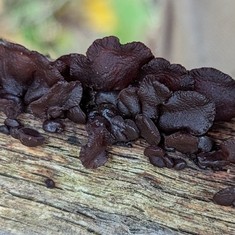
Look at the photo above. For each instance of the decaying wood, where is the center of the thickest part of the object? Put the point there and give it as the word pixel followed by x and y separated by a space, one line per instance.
pixel 126 196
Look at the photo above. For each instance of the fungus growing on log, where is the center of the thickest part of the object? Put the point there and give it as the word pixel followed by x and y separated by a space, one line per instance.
pixel 219 87
pixel 189 111
pixel 174 76
pixel 182 142
pixel 30 137
pixel 225 197
pixel 151 94
pixel 121 92
pixel 113 65
pixel 94 153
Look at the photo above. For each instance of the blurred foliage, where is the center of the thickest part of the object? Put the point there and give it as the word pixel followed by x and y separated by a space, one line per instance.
pixel 56 26
pixel 133 18
pixel 126 19
pixel 34 23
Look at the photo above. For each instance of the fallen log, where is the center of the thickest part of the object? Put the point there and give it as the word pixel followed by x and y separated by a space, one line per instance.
pixel 126 196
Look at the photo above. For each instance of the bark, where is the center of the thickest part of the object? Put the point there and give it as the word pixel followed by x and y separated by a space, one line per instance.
pixel 126 196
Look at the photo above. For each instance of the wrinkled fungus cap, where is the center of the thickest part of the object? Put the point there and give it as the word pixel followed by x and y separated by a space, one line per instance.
pixel 187 110
pixel 114 66
pixel 219 87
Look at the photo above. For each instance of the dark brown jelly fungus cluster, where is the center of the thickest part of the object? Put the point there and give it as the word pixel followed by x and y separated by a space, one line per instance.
pixel 121 92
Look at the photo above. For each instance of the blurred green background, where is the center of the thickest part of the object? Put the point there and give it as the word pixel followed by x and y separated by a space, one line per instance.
pixel 57 27
pixel 194 33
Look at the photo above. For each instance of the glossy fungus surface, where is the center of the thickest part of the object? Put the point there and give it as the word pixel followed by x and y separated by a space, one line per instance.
pixel 158 157
pixel 225 197
pixel 94 153
pixel 182 142
pixel 155 155
pixel 12 122
pixel 219 87
pixel 148 130
pixel 4 130
pixel 104 97
pixel 215 160
pixel 179 164
pixel 205 144
pixel 174 76
pixel 154 150
pixel 62 95
pixel 123 130
pixel 53 126
pixel 49 183
pixel 30 137
pixel 17 79
pixel 128 102
pixel 187 110
pixel 113 65
pixel 122 93
pixel 228 147
pixel 151 94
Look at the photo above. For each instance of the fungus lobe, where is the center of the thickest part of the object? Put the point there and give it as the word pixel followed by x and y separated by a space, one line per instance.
pixel 219 87
pixel 187 110
pixel 114 66
pixel 174 76
pixel 94 153
pixel 182 142
pixel 151 94
pixel 225 197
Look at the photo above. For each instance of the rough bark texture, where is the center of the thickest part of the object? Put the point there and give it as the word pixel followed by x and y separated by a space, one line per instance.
pixel 126 196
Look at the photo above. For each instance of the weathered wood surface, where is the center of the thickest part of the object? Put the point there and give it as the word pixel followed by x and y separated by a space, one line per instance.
pixel 126 196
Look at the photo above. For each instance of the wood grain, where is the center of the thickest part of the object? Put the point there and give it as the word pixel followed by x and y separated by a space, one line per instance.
pixel 126 196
